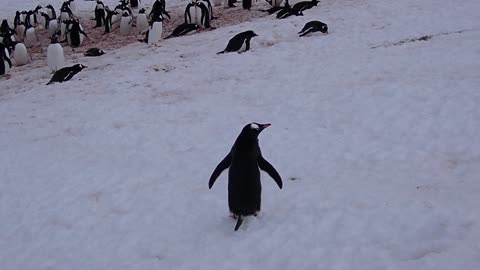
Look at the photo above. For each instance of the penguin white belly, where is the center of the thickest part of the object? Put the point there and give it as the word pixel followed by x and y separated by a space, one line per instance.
pixel 20 54
pixel 276 3
pixel 155 33
pixel 64 16
pixel 50 13
pixel 125 26
pixel 142 22
pixel 55 57
pixel 198 16
pixel 41 22
pixel 52 27
pixel 244 47
pixel 63 30
pixel 30 38
pixel 20 31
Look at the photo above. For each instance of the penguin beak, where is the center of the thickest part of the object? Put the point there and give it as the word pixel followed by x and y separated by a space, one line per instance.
pixel 264 126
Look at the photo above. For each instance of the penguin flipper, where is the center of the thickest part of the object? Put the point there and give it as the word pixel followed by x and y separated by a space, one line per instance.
pixel 239 222
pixel 267 167
pixel 8 61
pixel 225 163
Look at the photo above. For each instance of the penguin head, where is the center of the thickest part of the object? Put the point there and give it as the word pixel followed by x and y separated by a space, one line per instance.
pixel 253 129
pixel 79 67
pixel 324 29
pixel 250 33
pixel 141 11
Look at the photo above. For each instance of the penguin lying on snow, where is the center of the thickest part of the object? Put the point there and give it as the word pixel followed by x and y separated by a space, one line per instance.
pixel 183 29
pixel 287 12
pixel 5 62
pixel 314 26
pixel 66 73
pixel 240 42
pixel 94 52
pixel 304 5
pixel 244 162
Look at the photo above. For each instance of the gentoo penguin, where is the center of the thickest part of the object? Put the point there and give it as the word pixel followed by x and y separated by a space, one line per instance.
pixel 191 13
pixel 30 37
pixel 154 34
pixel 8 42
pixel 51 12
pixel 304 5
pixel 287 12
pixel 247 4
pixel 94 52
pixel 276 7
pixel 183 29
pixel 55 56
pixel 66 73
pixel 108 20
pixel 142 21
pixel 99 14
pixel 52 27
pixel 44 20
pixel 159 7
pixel 75 34
pixel 240 42
pixel 314 26
pixel 134 3
pixel 125 24
pixel 65 12
pixel 204 18
pixel 20 54
pixel 245 161
pixel 5 62
pixel 5 29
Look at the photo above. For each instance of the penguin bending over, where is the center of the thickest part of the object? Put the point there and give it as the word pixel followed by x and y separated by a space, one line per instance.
pixel 245 161
pixel 183 29
pixel 287 12
pixel 99 14
pixel 93 52
pixel 240 42
pixel 66 73
pixel 304 5
pixel 314 26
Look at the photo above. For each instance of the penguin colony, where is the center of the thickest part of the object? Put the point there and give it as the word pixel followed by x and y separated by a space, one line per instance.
pixel 245 160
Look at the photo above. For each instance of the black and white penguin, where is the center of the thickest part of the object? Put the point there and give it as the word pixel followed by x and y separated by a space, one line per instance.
pixel 93 52
pixel 5 29
pixel 51 12
pixel 44 20
pixel 276 3
pixel 287 12
pixel 64 27
pixel 314 26
pixel 65 12
pixel 99 14
pixel 245 161
pixel 247 4
pixel 154 34
pixel 20 54
pixel 304 5
pixel 191 12
pixel 126 23
pixel 36 14
pixel 142 21
pixel 52 27
pixel 5 62
pixel 134 3
pixel 159 8
pixel 30 36
pixel 55 55
pixel 8 41
pixel 240 42
pixel 75 34
pixel 203 16
pixel 183 29
pixel 66 73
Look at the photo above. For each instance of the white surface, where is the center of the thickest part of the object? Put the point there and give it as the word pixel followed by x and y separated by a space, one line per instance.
pixel 110 169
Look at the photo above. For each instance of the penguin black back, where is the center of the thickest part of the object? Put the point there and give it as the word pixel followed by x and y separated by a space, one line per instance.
pixel 4 58
pixel 238 41
pixel 304 5
pixel 314 26
pixel 245 161
pixel 66 73
pixel 183 29
pixel 94 52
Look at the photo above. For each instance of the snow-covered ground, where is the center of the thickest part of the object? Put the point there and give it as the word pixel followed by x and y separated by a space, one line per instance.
pixel 376 137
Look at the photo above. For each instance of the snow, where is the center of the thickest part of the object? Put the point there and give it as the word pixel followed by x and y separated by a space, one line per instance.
pixel 375 133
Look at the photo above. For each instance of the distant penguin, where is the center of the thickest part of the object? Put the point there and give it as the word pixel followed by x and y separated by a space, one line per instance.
pixel 159 9
pixel 183 29
pixel 125 24
pixel 5 29
pixel 142 21
pixel 44 20
pixel 66 73
pixel 287 12
pixel 314 26
pixel 20 54
pixel 247 4
pixel 93 52
pixel 65 12
pixel 240 42
pixel 203 14
pixel 51 12
pixel 99 14
pixel 5 62
pixel 20 30
pixel 191 13
pixel 109 20
pixel 304 5
pixel 134 3
pixel 30 38
pixel 52 27
pixel 245 161
pixel 75 34
pixel 155 32
pixel 55 56
pixel 36 14
pixel 64 27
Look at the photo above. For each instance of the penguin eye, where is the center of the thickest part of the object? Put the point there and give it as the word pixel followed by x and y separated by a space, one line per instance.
pixel 254 126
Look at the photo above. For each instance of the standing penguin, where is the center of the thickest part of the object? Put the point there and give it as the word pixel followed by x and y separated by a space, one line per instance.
pixel 99 14
pixel 190 13
pixel 52 27
pixel 75 34
pixel 55 56
pixel 51 12
pixel 154 34
pixel 20 54
pixel 240 42
pixel 5 62
pixel 142 21
pixel 30 37
pixel 314 26
pixel 245 161
pixel 125 24
pixel 247 4
pixel 203 14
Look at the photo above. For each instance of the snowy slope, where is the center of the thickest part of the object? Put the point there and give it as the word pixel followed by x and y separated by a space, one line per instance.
pixel 376 138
